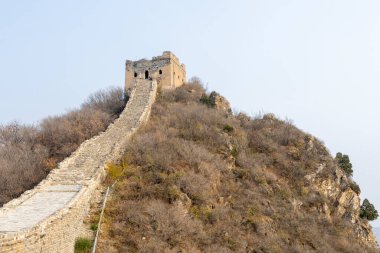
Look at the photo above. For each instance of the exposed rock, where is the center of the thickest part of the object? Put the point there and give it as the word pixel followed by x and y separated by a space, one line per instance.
pixel 243 118
pixel 312 177
pixel 326 211
pixel 296 204
pixel 347 202
pixel 364 232
pixel 183 203
pixel 348 205
pixel 309 139
pixel 263 225
pixel 269 116
pixel 220 102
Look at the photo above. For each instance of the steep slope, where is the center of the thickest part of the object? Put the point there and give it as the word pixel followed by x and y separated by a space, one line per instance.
pixel 200 179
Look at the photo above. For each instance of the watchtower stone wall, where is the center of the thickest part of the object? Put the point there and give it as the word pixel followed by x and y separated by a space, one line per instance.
pixel 165 69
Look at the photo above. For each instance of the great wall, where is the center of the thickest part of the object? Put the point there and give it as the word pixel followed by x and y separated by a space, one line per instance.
pixel 48 218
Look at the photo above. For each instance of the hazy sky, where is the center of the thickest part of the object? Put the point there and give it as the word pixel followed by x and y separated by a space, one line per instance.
pixel 315 62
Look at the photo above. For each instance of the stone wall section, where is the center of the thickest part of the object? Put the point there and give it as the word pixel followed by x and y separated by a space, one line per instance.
pixel 49 217
pixel 166 69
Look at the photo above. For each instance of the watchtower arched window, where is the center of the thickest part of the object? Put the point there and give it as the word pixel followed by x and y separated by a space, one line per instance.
pixel 146 74
pixel 160 72
pixel 135 74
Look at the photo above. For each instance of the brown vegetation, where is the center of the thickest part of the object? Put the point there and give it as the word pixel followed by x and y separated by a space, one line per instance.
pixel 201 180
pixel 28 153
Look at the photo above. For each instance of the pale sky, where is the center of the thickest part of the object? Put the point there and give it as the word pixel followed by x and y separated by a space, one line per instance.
pixel 315 62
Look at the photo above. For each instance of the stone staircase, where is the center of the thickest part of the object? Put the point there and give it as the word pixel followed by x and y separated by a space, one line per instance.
pixel 48 218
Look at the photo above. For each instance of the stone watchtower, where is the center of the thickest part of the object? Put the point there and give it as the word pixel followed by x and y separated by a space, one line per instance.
pixel 165 69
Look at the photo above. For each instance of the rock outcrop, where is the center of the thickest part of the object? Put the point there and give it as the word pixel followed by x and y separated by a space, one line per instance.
pixel 220 102
pixel 346 202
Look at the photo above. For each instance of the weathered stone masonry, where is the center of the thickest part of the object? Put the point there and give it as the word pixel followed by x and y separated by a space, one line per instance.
pixel 48 218
pixel 165 69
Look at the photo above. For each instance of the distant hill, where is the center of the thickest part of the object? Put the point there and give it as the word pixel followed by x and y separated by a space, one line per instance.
pixel 198 178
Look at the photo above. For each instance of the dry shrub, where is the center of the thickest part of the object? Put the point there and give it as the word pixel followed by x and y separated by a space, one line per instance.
pixel 166 227
pixel 190 92
pixel 27 153
pixel 196 186
pixel 110 101
pixel 21 160
pixel 63 134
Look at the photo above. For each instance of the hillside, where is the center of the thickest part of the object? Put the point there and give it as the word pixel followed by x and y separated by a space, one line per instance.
pixel 197 178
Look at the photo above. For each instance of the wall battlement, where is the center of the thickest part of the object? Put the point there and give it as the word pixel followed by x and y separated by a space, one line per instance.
pixel 166 69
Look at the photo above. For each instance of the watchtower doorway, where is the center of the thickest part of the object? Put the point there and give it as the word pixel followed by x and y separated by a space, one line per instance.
pixel 146 74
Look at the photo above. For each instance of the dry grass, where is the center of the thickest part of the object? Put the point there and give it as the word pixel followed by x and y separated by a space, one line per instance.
pixel 194 185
